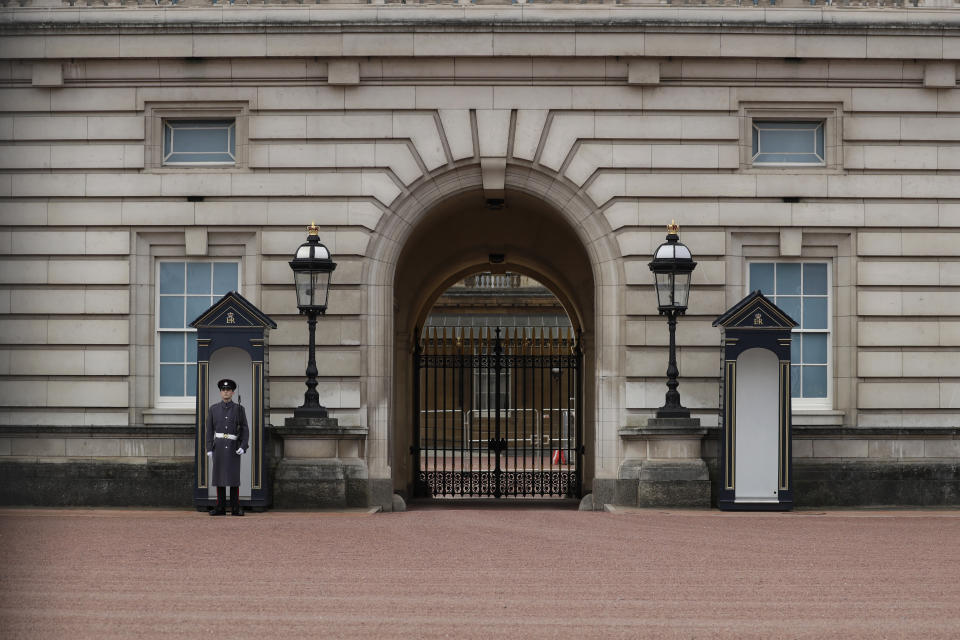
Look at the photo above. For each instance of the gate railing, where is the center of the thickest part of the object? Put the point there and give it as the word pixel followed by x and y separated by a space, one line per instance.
pixel 496 412
pixel 538 432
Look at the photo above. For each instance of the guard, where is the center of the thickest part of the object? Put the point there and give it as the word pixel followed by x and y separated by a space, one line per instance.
pixel 226 440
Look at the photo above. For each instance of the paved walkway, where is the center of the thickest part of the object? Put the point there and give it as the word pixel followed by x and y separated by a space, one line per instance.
pixel 492 572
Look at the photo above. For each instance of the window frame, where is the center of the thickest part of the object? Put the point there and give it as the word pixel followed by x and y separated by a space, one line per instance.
pixel 158 113
pixel 186 401
pixel 755 130
pixel 830 114
pixel 168 126
pixel 806 404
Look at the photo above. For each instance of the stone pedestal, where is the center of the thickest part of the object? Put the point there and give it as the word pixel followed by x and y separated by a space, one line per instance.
pixel 321 465
pixel 663 465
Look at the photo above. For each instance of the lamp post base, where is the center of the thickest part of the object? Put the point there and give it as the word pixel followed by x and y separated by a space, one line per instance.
pixel 322 465
pixel 664 464
pixel 673 412
pixel 308 413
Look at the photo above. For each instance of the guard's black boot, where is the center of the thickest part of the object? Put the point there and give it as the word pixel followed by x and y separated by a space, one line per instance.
pixel 220 509
pixel 235 508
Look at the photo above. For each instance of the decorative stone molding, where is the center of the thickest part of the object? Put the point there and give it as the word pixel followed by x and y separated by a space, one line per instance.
pixel 47 74
pixel 643 72
pixel 940 75
pixel 343 72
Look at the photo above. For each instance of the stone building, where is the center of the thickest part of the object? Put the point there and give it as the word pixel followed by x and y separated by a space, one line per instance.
pixel 157 155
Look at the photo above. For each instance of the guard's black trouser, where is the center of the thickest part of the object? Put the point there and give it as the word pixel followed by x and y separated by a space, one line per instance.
pixel 222 497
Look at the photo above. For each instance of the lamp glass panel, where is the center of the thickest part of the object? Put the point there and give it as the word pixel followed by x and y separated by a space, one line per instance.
pixel 665 252
pixel 304 288
pixel 321 281
pixel 665 289
pixel 681 290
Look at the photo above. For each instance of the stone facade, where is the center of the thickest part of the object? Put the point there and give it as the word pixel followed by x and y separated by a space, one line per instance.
pixel 394 128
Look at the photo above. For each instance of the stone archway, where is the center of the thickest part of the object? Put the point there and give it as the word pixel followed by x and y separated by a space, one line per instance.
pixel 443 230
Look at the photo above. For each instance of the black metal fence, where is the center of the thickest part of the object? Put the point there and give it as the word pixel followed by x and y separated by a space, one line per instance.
pixel 497 412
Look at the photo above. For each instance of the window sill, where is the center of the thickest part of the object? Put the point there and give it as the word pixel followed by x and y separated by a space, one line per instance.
pixel 781 169
pixel 198 168
pixel 817 418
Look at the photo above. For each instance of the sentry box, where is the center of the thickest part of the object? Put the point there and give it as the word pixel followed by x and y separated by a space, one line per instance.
pixel 756 470
pixel 232 343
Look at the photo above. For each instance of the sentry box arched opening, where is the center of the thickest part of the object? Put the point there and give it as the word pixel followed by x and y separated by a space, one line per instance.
pixel 756 471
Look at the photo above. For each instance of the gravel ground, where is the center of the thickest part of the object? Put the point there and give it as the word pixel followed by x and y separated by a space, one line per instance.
pixel 452 571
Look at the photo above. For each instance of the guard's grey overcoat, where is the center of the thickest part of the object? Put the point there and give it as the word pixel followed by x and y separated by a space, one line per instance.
pixel 229 418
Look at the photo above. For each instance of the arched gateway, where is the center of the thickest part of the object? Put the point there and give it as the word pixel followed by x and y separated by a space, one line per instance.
pixel 446 229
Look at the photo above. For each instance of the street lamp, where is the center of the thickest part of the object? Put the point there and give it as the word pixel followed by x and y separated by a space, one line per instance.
pixel 672 265
pixel 312 268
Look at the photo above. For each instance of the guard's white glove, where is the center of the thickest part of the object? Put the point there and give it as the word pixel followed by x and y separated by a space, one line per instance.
pixel 209 454
pixel 240 451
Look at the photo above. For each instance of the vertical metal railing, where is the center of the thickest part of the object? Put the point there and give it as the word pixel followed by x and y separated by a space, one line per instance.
pixel 497 412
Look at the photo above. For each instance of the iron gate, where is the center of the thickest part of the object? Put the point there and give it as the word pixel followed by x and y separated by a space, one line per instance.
pixel 497 412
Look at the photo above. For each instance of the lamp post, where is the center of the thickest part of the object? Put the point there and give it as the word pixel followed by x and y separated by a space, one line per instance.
pixel 312 268
pixel 672 265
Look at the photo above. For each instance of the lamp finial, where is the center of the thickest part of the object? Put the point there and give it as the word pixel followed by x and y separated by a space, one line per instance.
pixel 673 227
pixel 313 229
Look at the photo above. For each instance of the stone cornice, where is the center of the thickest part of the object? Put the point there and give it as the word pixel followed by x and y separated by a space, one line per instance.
pixel 482 17
pixel 358 31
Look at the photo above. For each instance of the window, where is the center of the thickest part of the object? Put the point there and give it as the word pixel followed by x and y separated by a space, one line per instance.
pixel 199 142
pixel 485 392
pixel 778 137
pixel 195 136
pixel 778 142
pixel 184 291
pixel 802 290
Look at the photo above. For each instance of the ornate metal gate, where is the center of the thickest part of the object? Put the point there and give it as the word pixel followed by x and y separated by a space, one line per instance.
pixel 497 412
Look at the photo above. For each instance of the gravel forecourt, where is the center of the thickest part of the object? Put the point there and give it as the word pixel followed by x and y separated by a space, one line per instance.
pixel 479 571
